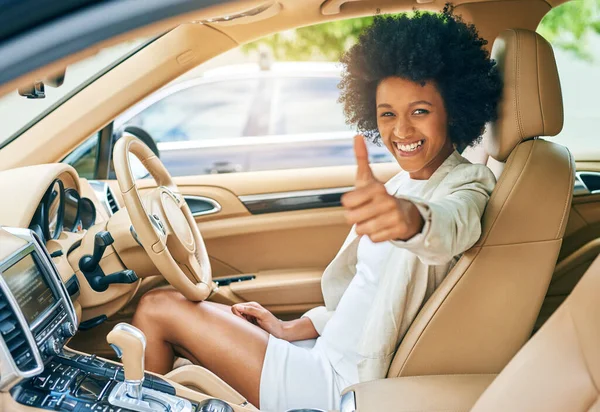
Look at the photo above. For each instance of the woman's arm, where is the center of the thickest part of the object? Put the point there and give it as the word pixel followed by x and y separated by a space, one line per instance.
pixel 453 223
pixel 293 330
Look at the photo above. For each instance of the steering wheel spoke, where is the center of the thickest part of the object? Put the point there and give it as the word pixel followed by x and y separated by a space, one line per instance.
pixel 164 222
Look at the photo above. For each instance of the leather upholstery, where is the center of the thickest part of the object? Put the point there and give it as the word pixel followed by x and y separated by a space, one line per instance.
pixel 532 102
pixel 447 393
pixel 485 309
pixel 559 368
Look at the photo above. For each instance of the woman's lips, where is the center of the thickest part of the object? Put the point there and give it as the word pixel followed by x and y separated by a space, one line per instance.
pixel 408 150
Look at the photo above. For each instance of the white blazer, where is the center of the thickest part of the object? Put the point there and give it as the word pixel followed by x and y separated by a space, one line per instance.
pixel 452 204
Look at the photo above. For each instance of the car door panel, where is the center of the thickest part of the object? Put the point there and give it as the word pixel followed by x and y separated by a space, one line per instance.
pixel 581 242
pixel 285 251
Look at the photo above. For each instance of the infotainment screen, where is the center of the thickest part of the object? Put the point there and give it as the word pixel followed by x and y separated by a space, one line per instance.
pixel 29 287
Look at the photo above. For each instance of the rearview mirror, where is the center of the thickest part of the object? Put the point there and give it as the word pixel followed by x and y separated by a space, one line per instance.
pixel 36 90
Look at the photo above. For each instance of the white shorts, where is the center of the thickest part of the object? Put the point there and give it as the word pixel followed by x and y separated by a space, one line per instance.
pixel 298 377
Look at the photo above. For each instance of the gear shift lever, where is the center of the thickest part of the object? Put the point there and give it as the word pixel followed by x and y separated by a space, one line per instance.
pixel 130 344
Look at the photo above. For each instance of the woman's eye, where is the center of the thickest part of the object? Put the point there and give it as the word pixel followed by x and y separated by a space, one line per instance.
pixel 386 114
pixel 421 111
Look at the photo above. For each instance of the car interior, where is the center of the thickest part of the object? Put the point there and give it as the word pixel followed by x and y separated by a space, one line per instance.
pixel 513 326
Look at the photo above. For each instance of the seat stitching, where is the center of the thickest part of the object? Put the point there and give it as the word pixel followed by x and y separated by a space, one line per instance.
pixel 537 65
pixel 408 355
pixel 532 242
pixel 517 84
pixel 511 190
pixel 569 195
pixel 585 363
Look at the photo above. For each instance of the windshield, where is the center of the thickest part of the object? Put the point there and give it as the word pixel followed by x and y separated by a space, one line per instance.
pixel 17 112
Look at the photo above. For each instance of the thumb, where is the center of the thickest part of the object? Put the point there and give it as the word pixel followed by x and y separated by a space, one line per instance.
pixel 364 174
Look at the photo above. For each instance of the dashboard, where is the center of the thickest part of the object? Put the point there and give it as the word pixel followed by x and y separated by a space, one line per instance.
pixel 37 315
pixel 62 209
pixel 37 318
pixel 66 213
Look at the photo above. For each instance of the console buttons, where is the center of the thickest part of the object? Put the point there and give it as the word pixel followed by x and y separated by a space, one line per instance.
pixel 40 381
pixel 87 406
pixel 29 398
pixel 52 366
pixel 52 347
pixel 23 359
pixel 67 330
pixel 52 381
pixel 51 401
pixel 61 369
pixel 85 360
pixel 71 372
pixel 68 405
pixel 62 384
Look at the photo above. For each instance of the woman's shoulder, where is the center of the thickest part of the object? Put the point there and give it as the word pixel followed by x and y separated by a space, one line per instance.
pixel 464 173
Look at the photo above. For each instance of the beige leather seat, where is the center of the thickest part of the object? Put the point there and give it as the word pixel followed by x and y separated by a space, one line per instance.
pixel 485 309
pixel 558 370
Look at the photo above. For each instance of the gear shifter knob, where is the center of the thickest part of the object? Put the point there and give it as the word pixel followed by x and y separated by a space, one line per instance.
pixel 130 344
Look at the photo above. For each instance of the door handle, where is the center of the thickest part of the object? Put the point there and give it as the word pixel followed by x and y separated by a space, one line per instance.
pixel 224 167
pixel 200 205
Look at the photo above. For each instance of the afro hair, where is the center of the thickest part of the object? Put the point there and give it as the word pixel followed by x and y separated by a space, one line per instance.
pixel 423 47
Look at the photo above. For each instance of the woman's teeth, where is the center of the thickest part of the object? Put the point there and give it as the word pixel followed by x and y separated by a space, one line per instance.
pixel 409 147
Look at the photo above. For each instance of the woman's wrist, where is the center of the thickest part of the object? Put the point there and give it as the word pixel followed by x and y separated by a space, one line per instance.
pixel 298 329
pixel 412 222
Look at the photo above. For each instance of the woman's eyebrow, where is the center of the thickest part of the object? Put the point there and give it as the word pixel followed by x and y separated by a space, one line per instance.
pixel 421 102
pixel 387 106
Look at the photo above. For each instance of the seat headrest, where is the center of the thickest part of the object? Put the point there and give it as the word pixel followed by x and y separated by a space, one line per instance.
pixel 531 102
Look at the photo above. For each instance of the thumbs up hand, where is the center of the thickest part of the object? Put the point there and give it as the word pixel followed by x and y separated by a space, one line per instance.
pixel 376 213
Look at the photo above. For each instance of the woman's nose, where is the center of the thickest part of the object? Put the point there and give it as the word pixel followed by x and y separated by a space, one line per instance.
pixel 403 129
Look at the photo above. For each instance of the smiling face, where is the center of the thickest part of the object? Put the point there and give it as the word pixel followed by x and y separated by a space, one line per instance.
pixel 413 125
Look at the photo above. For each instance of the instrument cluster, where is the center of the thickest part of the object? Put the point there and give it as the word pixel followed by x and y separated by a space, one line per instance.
pixel 62 209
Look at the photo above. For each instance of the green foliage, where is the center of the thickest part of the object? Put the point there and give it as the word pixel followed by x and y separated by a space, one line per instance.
pixel 320 42
pixel 567 27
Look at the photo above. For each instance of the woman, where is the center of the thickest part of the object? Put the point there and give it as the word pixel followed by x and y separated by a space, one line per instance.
pixel 422 85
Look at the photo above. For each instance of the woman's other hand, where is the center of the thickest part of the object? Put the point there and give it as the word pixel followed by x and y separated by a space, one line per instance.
pixel 375 212
pixel 254 313
pixel 293 330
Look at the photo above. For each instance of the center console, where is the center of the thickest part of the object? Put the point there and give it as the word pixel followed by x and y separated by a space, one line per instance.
pixel 37 317
pixel 75 382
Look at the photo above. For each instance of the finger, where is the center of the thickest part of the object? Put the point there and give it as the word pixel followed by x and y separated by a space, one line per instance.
pixel 236 310
pixel 369 211
pixel 250 310
pixel 379 224
pixel 384 235
pixel 251 319
pixel 363 195
pixel 364 174
pixel 254 305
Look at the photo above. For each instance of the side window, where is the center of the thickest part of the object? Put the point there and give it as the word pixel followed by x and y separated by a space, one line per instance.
pixel 83 159
pixel 307 105
pixel 578 62
pixel 194 112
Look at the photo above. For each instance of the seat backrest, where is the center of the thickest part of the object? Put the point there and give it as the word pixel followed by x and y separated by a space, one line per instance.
pixel 559 368
pixel 484 311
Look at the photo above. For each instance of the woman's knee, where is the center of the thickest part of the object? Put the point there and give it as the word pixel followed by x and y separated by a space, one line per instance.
pixel 157 303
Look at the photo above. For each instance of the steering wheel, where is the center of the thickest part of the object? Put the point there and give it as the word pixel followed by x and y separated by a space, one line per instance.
pixel 163 222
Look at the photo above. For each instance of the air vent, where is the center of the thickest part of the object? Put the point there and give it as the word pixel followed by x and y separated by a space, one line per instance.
pixel 110 198
pixel 14 337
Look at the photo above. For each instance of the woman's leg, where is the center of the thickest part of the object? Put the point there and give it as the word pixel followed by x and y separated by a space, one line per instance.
pixel 226 344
